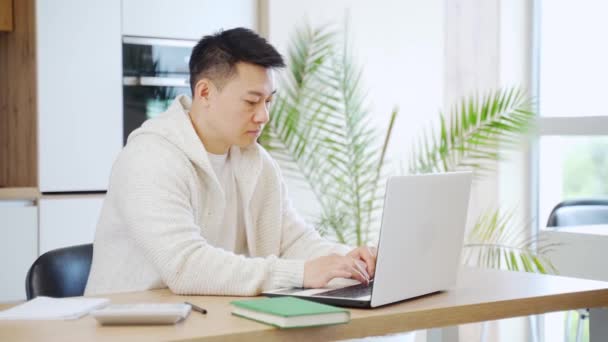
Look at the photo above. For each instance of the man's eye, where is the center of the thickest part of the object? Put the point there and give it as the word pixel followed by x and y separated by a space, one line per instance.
pixel 251 102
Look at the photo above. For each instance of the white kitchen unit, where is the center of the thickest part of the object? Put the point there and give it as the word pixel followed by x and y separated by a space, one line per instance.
pixel 18 246
pixel 79 69
pixel 185 19
pixel 581 252
pixel 68 220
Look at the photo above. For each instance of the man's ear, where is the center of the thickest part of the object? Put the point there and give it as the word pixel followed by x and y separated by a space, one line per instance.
pixel 202 90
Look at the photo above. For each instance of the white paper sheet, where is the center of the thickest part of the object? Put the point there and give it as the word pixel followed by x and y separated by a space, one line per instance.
pixel 42 308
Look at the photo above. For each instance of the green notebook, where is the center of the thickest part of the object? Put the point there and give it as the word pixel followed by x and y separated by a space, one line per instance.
pixel 290 312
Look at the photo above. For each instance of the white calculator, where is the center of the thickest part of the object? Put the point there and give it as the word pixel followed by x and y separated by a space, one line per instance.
pixel 142 313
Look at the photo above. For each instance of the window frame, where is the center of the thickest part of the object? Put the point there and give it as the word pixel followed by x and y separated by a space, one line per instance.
pixel 561 126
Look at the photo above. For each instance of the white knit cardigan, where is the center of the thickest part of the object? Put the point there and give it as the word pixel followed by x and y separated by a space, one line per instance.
pixel 164 198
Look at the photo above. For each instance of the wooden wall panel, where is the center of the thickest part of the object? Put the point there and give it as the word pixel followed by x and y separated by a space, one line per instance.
pixel 18 110
pixel 6 15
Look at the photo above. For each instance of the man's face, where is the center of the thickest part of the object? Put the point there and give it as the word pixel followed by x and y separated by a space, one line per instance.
pixel 238 112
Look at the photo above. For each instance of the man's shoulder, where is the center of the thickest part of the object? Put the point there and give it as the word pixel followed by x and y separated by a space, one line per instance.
pixel 151 143
pixel 150 151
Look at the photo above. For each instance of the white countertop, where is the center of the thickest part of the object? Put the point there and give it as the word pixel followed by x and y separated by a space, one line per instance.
pixel 598 229
pixel 580 252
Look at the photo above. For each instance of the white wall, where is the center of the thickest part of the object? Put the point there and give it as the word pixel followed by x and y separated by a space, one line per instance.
pixel 515 69
pixel 399 43
pixel 514 189
pixel 496 52
pixel 472 66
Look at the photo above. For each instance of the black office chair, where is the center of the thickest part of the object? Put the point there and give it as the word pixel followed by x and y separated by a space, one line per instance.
pixel 579 212
pixel 59 273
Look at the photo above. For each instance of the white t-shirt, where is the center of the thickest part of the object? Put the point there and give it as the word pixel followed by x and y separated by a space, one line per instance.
pixel 232 236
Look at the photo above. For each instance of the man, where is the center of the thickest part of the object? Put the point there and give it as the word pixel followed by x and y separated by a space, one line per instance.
pixel 194 204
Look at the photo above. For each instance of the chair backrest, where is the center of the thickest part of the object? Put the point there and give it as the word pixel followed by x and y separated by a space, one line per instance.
pixel 579 212
pixel 61 272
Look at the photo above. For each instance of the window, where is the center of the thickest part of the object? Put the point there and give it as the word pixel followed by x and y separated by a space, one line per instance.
pixel 571 167
pixel 572 88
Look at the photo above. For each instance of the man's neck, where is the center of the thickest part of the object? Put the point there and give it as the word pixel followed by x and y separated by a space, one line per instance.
pixel 212 144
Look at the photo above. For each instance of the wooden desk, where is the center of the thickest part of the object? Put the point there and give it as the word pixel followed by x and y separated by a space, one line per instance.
pixel 480 295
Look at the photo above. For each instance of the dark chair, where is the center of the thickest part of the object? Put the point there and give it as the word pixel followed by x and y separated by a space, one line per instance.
pixel 61 272
pixel 580 212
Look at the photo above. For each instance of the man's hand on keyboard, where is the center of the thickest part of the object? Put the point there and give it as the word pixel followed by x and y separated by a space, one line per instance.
pixel 319 271
pixel 365 256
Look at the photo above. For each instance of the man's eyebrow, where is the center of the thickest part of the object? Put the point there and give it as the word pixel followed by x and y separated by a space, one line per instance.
pixel 257 93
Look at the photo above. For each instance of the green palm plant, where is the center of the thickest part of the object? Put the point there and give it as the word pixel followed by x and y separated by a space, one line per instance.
pixel 320 133
pixel 477 134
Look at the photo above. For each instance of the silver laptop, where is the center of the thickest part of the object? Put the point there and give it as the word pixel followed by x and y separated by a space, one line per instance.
pixel 419 248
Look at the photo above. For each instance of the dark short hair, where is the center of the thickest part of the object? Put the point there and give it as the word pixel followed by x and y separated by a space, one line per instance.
pixel 215 56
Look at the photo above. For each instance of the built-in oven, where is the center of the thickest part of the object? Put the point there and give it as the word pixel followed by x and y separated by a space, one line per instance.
pixel 155 71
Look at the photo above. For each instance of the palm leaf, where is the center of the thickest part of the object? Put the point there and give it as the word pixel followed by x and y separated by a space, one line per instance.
pixel 496 242
pixel 478 130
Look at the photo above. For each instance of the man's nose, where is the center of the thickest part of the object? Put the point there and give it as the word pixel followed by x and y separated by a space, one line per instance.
pixel 262 114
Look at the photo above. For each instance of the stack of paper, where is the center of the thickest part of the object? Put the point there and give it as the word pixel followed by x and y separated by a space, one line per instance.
pixel 53 308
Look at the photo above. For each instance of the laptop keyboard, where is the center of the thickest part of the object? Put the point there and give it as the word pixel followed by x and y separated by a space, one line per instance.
pixel 354 291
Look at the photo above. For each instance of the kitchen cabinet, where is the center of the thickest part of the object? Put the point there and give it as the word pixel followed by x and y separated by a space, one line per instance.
pixel 79 65
pixel 79 76
pixel 68 220
pixel 185 19
pixel 18 246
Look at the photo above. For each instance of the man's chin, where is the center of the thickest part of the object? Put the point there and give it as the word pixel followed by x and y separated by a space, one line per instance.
pixel 246 143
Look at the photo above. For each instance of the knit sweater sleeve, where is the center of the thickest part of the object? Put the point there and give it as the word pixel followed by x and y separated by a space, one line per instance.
pixel 152 191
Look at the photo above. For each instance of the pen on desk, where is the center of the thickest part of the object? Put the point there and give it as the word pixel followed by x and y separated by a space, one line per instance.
pixel 196 308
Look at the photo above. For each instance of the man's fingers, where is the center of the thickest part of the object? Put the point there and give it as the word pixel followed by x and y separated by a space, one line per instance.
pixel 370 260
pixel 361 275
pixel 361 266
pixel 368 256
pixel 349 265
pixel 357 275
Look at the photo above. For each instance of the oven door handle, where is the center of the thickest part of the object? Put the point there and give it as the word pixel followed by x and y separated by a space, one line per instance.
pixel 155 81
